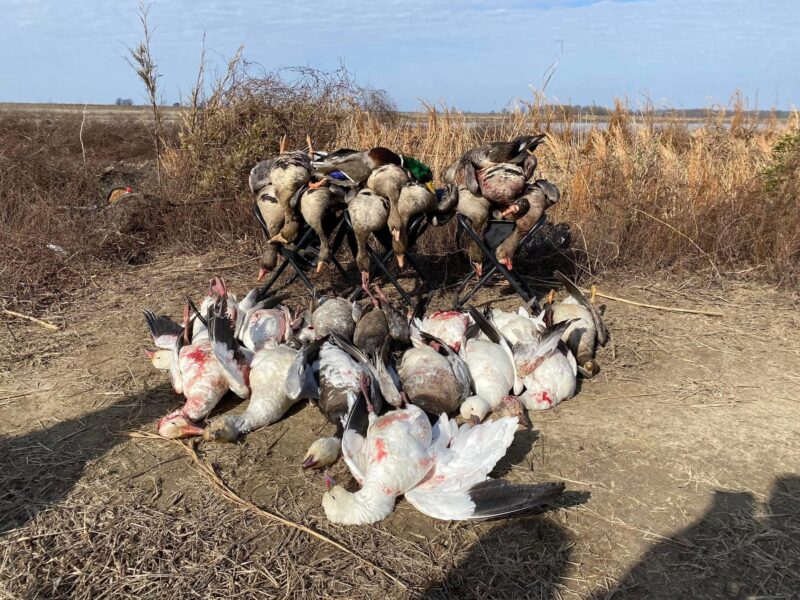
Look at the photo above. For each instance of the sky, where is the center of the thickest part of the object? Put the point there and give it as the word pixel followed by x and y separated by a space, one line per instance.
pixel 474 55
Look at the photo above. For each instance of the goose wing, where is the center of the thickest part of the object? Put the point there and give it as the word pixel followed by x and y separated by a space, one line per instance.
pixel 458 487
pixel 227 351
pixel 163 329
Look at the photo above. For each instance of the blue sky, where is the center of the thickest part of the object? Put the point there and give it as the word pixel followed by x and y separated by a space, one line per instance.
pixel 475 55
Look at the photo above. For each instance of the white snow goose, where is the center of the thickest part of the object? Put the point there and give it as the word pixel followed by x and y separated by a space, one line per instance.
pixel 442 470
pixel 261 376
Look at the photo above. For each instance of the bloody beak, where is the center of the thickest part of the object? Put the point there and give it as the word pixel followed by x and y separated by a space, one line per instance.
pixel 329 482
pixel 150 353
pixel 191 431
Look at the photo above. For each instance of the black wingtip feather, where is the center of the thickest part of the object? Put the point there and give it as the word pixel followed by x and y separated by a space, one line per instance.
pixel 495 498
pixel 486 326
pixel 161 325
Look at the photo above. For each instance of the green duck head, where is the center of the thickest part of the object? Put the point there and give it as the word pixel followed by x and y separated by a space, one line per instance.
pixel 419 170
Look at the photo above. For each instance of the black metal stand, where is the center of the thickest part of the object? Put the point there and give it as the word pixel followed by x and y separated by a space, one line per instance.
pixel 494 265
pixel 292 256
pixel 380 262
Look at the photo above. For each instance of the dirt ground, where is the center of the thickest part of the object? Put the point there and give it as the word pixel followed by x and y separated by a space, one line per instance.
pixel 682 461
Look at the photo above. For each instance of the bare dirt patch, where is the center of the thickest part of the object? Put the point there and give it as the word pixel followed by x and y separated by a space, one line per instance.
pixel 686 442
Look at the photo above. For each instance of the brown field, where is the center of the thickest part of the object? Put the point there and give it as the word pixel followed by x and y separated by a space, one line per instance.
pixel 681 457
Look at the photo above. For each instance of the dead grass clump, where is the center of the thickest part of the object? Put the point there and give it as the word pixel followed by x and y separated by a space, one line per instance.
pixel 244 116
pixel 45 187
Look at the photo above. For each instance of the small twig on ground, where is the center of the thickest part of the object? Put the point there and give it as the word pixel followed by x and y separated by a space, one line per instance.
pixel 30 318
pixel 711 313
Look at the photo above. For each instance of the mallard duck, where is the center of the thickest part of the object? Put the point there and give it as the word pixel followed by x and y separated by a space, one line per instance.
pixel 586 331
pixel 501 184
pixel 512 152
pixel 442 470
pixel 259 175
pixel 314 206
pixel 290 173
pixel 416 198
pixel 388 181
pixel 368 214
pixel 357 165
pixel 477 209
pixel 538 198
pixel 274 218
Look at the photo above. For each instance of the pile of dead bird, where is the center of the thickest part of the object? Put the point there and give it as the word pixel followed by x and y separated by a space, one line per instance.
pixel 424 404
pixel 383 189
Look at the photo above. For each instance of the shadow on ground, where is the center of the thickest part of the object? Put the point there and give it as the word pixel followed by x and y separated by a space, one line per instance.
pixel 520 558
pixel 39 468
pixel 739 549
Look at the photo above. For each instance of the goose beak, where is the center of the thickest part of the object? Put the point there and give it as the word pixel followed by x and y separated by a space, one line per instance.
pixel 309 463
pixel 189 430
pixel 511 210
pixel 401 260
pixel 430 187
pixel 320 266
pixel 396 234
pixel 474 420
pixel 262 272
pixel 506 262
pixel 551 296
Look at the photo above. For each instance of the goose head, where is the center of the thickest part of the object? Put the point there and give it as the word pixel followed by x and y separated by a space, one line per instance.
pixel 348 508
pixel 224 430
pixel 161 359
pixel 177 425
pixel 322 453
pixel 475 409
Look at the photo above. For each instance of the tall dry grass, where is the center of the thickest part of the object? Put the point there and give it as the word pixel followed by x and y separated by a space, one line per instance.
pixel 641 189
pixel 718 197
